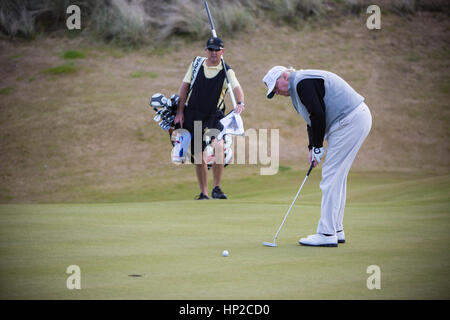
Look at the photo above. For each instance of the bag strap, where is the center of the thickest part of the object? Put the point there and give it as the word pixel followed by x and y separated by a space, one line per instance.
pixel 196 64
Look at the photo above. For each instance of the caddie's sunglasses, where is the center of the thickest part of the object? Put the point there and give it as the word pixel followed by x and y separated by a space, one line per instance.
pixel 216 50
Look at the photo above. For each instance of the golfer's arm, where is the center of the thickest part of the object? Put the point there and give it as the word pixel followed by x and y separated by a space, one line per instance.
pixel 312 98
pixel 310 137
pixel 182 93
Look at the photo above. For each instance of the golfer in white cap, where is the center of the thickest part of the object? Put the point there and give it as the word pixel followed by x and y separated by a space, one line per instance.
pixel 335 112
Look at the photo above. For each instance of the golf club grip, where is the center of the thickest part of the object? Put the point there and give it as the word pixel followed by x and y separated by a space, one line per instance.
pixel 310 168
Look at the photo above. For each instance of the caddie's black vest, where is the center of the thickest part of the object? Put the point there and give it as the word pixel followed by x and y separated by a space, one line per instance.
pixel 205 94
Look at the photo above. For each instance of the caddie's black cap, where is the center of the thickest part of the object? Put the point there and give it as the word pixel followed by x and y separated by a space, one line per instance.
pixel 214 43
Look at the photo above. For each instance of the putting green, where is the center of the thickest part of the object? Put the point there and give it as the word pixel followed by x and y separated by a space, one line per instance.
pixel 398 222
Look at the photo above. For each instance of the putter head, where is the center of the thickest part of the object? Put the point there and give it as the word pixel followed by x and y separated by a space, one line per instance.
pixel 269 244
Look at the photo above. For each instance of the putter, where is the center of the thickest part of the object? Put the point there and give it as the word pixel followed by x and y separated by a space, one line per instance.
pixel 274 243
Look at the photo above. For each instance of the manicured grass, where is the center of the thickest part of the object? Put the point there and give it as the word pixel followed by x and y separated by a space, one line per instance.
pixel 395 221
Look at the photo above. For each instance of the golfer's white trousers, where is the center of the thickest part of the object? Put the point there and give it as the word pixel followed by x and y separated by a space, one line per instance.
pixel 344 138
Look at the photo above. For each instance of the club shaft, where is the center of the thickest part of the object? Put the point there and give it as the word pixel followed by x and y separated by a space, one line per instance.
pixel 293 202
pixel 214 34
pixel 210 19
pixel 230 88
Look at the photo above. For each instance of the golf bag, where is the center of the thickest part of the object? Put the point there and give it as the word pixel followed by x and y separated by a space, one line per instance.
pixel 166 110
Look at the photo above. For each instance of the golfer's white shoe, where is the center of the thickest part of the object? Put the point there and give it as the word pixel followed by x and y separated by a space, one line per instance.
pixel 319 240
pixel 341 236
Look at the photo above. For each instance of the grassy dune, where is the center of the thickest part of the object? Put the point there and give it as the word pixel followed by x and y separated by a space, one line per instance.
pixel 395 221
pixel 68 124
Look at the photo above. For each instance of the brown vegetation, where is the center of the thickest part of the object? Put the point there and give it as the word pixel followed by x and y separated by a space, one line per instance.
pixel 64 137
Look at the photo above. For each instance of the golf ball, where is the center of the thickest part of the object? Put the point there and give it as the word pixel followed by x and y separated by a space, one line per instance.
pixel 225 253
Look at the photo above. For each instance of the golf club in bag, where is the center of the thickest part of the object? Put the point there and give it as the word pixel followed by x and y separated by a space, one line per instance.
pixel 273 243
pixel 180 139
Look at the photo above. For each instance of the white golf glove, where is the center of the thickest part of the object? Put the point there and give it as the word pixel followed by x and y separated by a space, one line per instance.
pixel 317 154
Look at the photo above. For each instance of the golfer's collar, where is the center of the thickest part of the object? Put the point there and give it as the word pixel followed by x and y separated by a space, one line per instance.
pixel 290 82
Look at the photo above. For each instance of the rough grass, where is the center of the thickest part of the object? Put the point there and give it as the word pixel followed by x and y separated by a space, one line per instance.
pixel 93 130
pixel 67 68
pixel 74 54
pixel 144 74
pixel 7 90
pixel 135 23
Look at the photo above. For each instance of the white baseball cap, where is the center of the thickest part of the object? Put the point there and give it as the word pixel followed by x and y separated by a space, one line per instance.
pixel 270 79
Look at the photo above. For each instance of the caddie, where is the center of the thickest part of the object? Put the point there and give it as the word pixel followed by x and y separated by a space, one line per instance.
pixel 334 112
pixel 202 93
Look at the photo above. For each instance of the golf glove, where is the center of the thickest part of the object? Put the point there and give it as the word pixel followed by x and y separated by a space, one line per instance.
pixel 317 154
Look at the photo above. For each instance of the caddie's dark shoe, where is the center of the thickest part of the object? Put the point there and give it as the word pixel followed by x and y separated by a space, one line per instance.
pixel 217 193
pixel 202 196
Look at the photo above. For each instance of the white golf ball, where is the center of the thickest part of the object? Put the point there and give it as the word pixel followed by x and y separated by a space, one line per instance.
pixel 225 253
